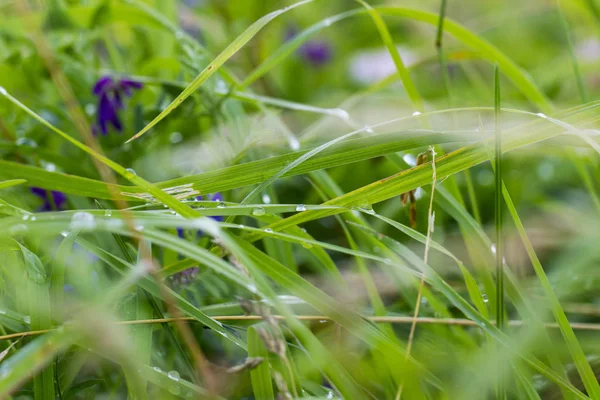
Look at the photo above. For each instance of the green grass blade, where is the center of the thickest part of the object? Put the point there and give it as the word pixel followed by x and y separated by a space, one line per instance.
pixel 583 366
pixel 403 72
pixel 216 63
pixel 260 376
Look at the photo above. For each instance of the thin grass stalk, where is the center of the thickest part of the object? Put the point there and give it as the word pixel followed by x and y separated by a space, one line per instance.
pixel 430 226
pixel 501 390
pixel 580 326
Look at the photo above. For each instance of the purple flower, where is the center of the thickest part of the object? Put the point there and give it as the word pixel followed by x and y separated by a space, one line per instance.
pixel 110 94
pixel 58 198
pixel 315 52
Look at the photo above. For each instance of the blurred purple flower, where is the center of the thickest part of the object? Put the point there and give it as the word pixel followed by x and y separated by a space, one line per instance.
pixel 58 198
pixel 315 52
pixel 110 94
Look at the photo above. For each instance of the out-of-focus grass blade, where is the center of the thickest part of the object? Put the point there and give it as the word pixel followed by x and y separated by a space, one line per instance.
pixel 40 308
pixel 445 289
pixel 579 358
pixel 403 72
pixel 413 178
pixel 12 182
pixel 261 375
pixel 219 60
pixel 57 277
pixel 150 286
pixel 245 174
pixel 17 369
pixel 482 47
pixel 142 334
pixel 158 194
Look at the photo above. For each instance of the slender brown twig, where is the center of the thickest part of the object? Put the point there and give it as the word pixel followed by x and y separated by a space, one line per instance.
pixel 582 326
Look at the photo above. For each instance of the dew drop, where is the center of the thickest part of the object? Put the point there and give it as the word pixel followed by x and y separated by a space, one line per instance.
pixel 139 228
pixel 130 172
pixel 64 233
pixel 268 230
pixel 541 115
pixel 26 142
pixel 258 211
pixel 25 217
pixel 173 375
pixel 416 113
pixel 241 226
pixel 107 213
pixel 50 167
pixel 266 198
pixel 368 129
pixel 300 207
pixel 493 248
pixel 33 218
pixel 175 137
pixel 2 312
pixel 157 369
pixel 388 261
pixel 82 220
pixel 307 245
pixel 90 108
pixel 294 143
pixel 27 319
pixel 485 298
pixel 221 205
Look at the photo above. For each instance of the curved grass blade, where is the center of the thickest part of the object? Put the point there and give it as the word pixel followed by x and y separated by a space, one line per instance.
pixel 12 182
pixel 403 72
pixel 217 62
pixel 579 358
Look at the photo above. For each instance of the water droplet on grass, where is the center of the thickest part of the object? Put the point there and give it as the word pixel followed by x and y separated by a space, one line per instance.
pixel 82 220
pixel 268 230
pixel 294 143
pixel 258 211
pixel 416 113
pixel 107 213
pixel 173 375
pixel 27 319
pixel 25 217
pixel 130 173
pixel 26 142
pixel 175 137
pixel 221 205
pixel 266 198
pixel 157 369
pixel 300 207
pixel 541 115
pixel 485 298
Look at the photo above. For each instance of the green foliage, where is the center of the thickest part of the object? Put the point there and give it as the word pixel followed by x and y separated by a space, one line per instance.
pixel 265 234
